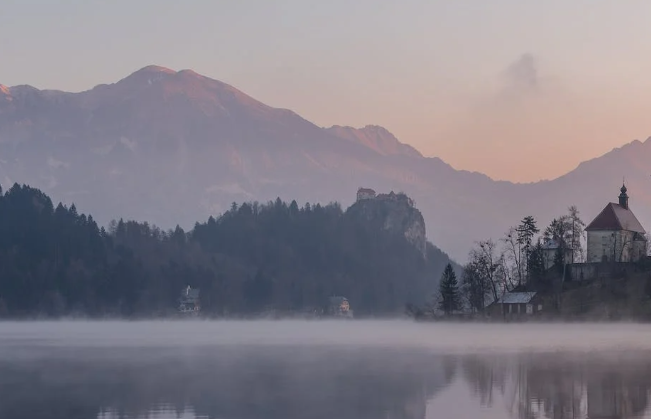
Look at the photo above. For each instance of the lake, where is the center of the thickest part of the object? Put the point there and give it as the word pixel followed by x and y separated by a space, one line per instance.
pixel 323 369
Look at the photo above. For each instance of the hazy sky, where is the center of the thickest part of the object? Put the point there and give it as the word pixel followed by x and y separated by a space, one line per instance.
pixel 519 90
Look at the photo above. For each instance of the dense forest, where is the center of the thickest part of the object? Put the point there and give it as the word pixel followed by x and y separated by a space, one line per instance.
pixel 252 259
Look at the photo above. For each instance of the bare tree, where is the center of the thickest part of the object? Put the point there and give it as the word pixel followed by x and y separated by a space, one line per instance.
pixel 576 233
pixel 518 245
pixel 513 253
pixel 621 243
pixel 489 265
pixel 644 250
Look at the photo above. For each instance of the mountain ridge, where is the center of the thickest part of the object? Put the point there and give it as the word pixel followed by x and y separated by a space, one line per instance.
pixel 175 146
pixel 158 69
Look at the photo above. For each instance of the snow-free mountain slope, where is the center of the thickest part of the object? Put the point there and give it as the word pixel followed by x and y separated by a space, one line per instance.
pixel 175 147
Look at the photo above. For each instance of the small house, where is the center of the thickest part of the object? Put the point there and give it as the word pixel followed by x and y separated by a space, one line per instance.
pixel 550 249
pixel 339 307
pixel 513 304
pixel 189 300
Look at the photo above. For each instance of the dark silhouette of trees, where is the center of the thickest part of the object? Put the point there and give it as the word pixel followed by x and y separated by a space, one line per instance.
pixel 253 258
pixel 450 299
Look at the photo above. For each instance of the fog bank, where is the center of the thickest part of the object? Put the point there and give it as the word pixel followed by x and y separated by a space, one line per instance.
pixel 437 337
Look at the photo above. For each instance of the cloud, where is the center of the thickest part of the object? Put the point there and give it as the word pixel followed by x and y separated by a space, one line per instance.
pixel 522 73
pixel 516 127
pixel 523 85
pixel 519 86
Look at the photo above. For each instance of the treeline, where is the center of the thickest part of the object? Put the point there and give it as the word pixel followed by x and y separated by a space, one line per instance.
pixel 518 261
pixel 251 259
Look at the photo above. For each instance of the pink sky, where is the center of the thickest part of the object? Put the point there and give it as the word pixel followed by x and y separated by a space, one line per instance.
pixel 517 90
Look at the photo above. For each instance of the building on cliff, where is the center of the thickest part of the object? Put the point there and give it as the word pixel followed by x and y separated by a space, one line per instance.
pixel 365 193
pixel 616 235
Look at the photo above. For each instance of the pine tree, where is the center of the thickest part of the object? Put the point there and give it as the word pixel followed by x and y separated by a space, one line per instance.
pixel 526 232
pixel 449 291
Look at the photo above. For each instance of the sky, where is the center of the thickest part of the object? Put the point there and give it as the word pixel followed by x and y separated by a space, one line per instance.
pixel 517 90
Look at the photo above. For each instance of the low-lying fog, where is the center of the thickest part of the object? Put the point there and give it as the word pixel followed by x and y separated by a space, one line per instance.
pixel 441 337
pixel 323 369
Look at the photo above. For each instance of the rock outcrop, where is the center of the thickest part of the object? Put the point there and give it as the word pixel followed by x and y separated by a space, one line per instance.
pixel 394 213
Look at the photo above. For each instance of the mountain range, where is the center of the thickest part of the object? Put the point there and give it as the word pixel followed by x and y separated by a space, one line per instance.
pixel 174 147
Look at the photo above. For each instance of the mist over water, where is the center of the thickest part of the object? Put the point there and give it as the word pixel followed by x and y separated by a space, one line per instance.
pixel 323 369
pixel 439 337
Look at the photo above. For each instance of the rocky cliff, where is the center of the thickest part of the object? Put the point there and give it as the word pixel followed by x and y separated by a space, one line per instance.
pixel 394 213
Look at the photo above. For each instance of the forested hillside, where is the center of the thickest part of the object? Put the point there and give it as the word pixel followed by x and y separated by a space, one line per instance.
pixel 251 259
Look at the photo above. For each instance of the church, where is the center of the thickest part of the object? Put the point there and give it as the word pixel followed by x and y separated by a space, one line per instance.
pixel 616 235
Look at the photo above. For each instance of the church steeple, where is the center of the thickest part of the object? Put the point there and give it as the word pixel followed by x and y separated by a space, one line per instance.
pixel 623 197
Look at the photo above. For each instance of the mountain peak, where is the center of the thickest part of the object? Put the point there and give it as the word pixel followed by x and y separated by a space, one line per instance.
pixel 155 69
pixel 376 128
pixel 147 76
pixel 156 72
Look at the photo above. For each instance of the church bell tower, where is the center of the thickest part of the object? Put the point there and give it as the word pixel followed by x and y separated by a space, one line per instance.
pixel 623 197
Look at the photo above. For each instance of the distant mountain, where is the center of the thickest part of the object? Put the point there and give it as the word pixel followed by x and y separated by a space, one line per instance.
pixel 174 147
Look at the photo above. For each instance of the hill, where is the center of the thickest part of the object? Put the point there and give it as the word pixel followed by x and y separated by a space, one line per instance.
pixel 253 258
pixel 173 147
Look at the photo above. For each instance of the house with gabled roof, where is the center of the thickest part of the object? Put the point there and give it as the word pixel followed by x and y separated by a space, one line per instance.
pixel 339 307
pixel 514 304
pixel 616 235
pixel 189 301
pixel 550 249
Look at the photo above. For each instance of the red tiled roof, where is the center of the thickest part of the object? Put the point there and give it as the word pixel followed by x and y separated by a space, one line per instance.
pixel 615 218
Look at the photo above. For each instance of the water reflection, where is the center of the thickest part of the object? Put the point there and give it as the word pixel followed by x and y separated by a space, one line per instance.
pixel 562 385
pixel 254 382
pixel 71 375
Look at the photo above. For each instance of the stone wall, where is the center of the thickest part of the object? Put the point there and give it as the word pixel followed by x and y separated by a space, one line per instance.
pixel 597 270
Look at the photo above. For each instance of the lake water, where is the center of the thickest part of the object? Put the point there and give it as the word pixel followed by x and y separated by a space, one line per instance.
pixel 323 369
